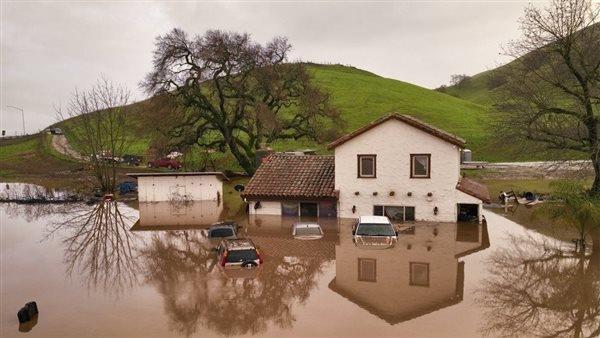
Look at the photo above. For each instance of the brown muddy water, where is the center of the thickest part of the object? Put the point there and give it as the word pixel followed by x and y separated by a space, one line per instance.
pixel 110 270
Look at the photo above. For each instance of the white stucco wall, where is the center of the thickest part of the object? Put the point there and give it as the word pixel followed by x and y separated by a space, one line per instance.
pixel 164 188
pixel 266 208
pixel 393 142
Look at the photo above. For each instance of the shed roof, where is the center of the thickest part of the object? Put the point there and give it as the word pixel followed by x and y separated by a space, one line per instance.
pixel 293 177
pixel 180 173
pixel 475 189
pixel 410 120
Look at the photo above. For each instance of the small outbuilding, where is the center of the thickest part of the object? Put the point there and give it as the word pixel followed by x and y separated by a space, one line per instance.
pixel 179 186
pixel 293 185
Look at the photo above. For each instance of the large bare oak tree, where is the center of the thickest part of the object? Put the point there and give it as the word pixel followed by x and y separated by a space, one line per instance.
pixel 237 94
pixel 552 92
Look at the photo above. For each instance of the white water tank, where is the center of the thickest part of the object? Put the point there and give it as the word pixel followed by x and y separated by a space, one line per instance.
pixel 466 156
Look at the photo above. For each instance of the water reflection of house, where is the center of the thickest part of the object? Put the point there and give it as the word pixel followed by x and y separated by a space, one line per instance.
pixel 174 215
pixel 421 274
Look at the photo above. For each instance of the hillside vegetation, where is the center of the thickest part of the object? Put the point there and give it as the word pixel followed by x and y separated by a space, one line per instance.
pixel 477 88
pixel 482 88
pixel 361 97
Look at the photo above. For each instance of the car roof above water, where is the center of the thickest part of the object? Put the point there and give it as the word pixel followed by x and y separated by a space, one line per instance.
pixel 373 220
pixel 239 244
pixel 306 225
pixel 224 224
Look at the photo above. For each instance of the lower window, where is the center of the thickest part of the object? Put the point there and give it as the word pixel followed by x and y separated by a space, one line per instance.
pixel 309 209
pixel 419 274
pixel 395 213
pixel 327 209
pixel 289 208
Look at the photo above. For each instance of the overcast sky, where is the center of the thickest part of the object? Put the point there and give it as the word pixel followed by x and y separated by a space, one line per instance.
pixel 50 48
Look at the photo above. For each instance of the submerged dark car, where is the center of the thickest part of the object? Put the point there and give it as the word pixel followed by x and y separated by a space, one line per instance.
pixel 238 253
pixel 222 230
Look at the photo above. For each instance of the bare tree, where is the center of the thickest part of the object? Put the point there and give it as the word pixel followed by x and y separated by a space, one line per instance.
pixel 238 94
pixel 551 94
pixel 99 246
pixel 96 122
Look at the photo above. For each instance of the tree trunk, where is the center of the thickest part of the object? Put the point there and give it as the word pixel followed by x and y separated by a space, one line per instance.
pixel 595 191
pixel 246 163
pixel 595 259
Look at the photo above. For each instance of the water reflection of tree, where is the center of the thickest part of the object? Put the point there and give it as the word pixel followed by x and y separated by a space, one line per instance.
pixel 197 293
pixel 98 245
pixel 537 288
pixel 33 212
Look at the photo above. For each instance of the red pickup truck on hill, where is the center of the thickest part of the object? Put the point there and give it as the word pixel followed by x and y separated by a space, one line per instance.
pixel 165 162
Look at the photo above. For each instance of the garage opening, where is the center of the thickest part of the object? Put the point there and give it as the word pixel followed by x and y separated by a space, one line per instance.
pixel 468 212
pixel 309 209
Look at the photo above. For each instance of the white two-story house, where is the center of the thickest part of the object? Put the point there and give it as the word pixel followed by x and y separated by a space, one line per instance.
pixel 396 166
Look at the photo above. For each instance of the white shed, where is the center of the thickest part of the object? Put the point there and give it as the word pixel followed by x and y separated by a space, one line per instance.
pixel 180 186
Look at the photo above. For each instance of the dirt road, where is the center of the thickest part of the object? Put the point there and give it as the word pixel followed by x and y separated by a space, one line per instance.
pixel 61 144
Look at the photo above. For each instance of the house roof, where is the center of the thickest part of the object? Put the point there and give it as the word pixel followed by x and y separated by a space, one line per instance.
pixel 293 177
pixel 180 173
pixel 412 121
pixel 475 189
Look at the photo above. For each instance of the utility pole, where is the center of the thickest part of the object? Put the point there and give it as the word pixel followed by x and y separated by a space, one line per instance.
pixel 22 116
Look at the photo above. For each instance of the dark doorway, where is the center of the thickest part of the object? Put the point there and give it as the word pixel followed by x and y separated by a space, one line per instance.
pixel 468 213
pixel 309 209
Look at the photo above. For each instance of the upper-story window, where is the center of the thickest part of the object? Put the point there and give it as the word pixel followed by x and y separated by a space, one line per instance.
pixel 367 270
pixel 367 166
pixel 420 165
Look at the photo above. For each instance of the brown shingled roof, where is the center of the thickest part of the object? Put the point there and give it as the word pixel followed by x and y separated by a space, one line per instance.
pixel 412 121
pixel 293 177
pixel 474 189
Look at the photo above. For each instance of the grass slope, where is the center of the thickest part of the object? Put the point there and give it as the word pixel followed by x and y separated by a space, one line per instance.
pixel 362 97
pixel 32 160
pixel 476 89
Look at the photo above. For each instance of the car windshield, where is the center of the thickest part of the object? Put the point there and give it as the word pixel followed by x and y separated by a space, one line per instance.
pixel 221 232
pixel 235 256
pixel 375 230
pixel 307 231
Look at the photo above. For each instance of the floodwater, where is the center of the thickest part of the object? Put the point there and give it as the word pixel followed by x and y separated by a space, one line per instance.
pixel 111 270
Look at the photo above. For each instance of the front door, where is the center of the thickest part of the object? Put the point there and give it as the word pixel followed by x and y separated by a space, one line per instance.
pixel 309 209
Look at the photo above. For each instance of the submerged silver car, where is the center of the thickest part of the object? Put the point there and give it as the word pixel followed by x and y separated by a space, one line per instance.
pixel 307 231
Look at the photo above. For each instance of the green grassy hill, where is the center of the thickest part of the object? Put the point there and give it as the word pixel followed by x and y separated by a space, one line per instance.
pixel 476 89
pixel 482 88
pixel 362 97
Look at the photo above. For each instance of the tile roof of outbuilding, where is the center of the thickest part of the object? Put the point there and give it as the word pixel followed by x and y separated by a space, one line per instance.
pixel 293 177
